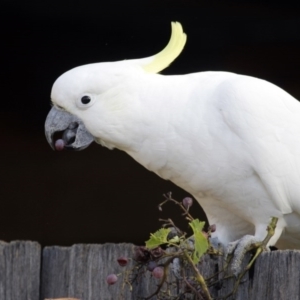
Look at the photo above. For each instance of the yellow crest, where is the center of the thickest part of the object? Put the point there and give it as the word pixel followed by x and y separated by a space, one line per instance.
pixel 165 57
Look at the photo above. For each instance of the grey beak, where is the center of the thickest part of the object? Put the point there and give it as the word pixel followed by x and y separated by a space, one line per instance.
pixel 75 135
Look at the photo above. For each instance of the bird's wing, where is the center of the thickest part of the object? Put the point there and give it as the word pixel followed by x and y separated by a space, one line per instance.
pixel 266 119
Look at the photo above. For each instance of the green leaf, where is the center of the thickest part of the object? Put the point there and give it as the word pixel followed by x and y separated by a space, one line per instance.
pixel 158 238
pixel 174 240
pixel 196 225
pixel 201 243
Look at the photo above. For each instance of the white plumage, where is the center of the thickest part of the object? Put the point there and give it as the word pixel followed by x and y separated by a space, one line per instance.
pixel 232 141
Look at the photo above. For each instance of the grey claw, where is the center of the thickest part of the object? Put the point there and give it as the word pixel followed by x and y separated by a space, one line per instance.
pixel 239 248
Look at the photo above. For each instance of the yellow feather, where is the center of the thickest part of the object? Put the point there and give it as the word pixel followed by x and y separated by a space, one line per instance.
pixel 165 57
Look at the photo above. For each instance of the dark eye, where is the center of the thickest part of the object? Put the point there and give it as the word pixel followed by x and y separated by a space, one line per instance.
pixel 85 99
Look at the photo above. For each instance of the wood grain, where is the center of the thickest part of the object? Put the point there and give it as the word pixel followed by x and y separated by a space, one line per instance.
pixel 79 273
pixel 19 270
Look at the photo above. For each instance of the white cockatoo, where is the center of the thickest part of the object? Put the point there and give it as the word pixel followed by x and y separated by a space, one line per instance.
pixel 232 141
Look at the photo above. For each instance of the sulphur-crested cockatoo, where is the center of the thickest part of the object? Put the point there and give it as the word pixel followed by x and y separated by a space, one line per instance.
pixel 232 141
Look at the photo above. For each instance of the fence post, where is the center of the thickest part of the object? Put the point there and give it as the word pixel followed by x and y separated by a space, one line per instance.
pixel 20 270
pixel 80 271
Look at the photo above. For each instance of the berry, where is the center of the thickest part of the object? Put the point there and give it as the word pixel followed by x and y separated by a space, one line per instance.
pixel 59 145
pixel 151 265
pixel 158 272
pixel 141 254
pixel 111 279
pixel 212 228
pixel 122 260
pixel 187 202
pixel 156 252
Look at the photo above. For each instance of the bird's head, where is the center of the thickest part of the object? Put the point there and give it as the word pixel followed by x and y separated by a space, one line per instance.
pixel 84 98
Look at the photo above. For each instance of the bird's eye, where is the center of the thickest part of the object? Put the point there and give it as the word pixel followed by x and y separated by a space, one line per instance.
pixel 85 99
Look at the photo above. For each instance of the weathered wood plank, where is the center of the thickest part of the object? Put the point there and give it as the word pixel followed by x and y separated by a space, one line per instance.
pixel 19 270
pixel 80 272
pixel 277 276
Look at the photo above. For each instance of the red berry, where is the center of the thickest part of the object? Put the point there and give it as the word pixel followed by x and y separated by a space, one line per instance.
pixel 111 279
pixel 122 260
pixel 187 202
pixel 212 228
pixel 141 254
pixel 59 145
pixel 158 272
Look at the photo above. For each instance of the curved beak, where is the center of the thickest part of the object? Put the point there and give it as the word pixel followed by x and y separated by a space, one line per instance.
pixel 75 135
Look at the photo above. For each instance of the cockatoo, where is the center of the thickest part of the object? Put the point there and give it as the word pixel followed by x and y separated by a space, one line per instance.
pixel 232 141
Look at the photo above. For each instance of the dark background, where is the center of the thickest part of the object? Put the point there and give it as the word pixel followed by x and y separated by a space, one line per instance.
pixel 98 195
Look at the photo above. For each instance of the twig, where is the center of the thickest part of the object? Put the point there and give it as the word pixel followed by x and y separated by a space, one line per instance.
pixel 199 277
pixel 160 285
pixel 168 197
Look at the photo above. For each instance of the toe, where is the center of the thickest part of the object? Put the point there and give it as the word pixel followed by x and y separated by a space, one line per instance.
pixel 240 248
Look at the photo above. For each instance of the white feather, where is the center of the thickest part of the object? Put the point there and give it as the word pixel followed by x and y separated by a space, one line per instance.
pixel 232 141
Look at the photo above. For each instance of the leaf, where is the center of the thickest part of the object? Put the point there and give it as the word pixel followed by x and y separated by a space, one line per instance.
pixel 158 238
pixel 201 243
pixel 174 240
pixel 196 225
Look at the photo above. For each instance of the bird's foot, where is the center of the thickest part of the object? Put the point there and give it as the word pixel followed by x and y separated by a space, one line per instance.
pixel 236 251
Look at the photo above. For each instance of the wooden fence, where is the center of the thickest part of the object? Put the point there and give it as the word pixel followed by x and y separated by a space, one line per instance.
pixel 28 272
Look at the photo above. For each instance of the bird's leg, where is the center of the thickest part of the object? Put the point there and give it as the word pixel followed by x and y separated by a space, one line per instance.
pixel 246 244
pixel 260 246
pixel 236 250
